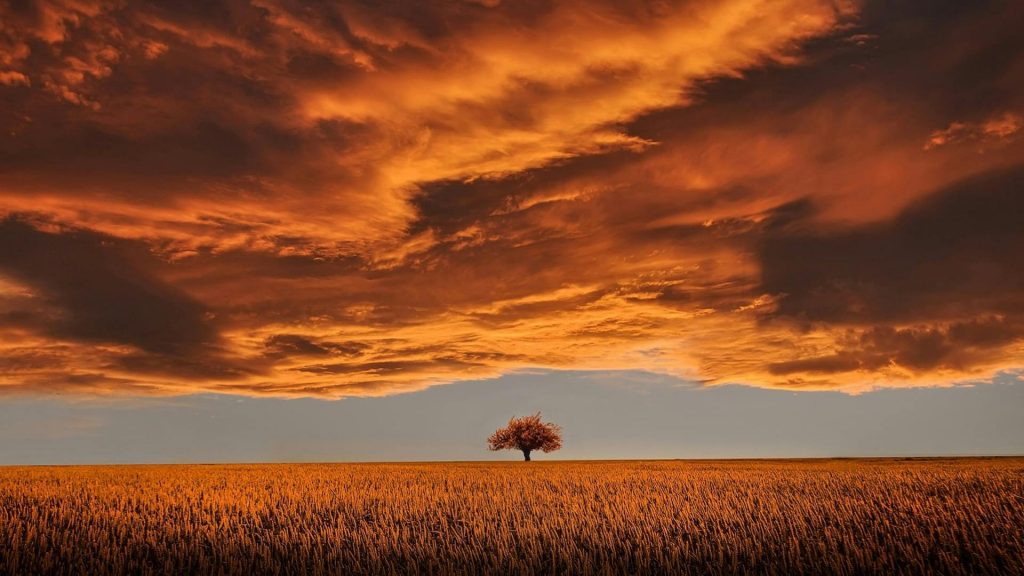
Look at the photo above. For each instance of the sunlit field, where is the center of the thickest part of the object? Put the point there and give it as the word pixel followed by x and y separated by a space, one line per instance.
pixel 954 516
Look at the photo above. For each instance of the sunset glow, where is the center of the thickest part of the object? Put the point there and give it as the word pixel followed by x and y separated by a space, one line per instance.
pixel 278 198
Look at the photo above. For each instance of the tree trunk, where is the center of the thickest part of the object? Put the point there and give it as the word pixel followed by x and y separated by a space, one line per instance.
pixel 526 455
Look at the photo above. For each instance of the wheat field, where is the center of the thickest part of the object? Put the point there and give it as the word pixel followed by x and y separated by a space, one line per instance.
pixel 957 516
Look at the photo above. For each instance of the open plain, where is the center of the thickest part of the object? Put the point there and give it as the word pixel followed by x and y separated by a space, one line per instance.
pixel 907 516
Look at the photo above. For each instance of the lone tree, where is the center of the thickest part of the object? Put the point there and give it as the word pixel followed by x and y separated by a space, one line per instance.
pixel 527 434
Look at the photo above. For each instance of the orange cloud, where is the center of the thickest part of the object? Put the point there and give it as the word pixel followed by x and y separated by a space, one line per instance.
pixel 308 115
pixel 270 198
pixel 998 128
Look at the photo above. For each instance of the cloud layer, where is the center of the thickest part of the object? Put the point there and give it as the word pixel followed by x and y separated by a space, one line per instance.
pixel 331 199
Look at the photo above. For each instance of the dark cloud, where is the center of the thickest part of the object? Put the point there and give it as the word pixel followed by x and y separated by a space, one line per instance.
pixel 957 347
pixel 101 293
pixel 952 254
pixel 937 288
pixel 293 345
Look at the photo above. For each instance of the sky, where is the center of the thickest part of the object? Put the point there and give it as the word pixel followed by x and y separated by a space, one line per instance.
pixel 604 415
pixel 294 203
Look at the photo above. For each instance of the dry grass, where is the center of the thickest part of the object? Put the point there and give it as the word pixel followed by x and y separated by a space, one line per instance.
pixel 784 517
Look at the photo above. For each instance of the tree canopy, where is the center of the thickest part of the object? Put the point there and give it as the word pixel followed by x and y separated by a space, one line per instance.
pixel 527 433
